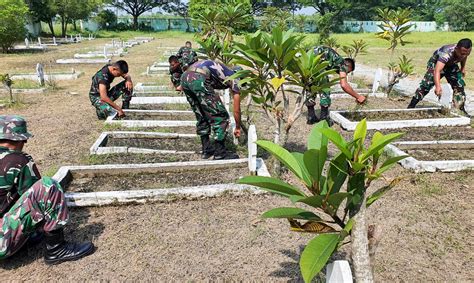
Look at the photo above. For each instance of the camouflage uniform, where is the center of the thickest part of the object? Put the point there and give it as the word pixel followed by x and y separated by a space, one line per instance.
pixel 336 62
pixel 27 201
pixel 186 56
pixel 175 75
pixel 103 76
pixel 198 83
pixel 451 71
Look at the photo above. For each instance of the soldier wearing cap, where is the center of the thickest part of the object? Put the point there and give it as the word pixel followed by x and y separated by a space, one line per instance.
pixel 30 204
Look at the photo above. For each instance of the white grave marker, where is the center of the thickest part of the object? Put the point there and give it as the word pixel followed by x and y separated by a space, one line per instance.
pixel 339 272
pixel 377 79
pixel 446 95
pixel 252 149
pixel 27 43
pixel 39 41
pixel 40 73
pixel 54 40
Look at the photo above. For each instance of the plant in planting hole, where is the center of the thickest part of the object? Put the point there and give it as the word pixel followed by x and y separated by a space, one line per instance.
pixel 7 83
pixel 355 48
pixel 323 192
pixel 403 69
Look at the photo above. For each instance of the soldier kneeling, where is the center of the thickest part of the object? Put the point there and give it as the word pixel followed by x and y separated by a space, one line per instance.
pixel 30 204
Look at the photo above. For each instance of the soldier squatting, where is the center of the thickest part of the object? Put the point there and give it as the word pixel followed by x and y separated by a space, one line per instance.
pixel 33 208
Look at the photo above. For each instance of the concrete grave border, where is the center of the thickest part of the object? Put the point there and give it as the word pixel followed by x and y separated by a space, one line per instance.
pixel 152 123
pixel 348 125
pixel 53 76
pixel 99 148
pixel 435 165
pixel 83 61
pixel 65 175
pixel 158 100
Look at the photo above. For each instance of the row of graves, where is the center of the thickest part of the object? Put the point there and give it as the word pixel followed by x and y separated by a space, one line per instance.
pixel 154 154
pixel 116 48
pixel 44 43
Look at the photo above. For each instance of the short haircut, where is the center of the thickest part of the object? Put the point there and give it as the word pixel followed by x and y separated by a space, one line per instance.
pixel 188 42
pixel 173 58
pixel 122 65
pixel 465 42
pixel 350 61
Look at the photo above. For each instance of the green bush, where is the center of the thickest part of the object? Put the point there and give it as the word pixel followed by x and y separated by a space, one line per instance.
pixel 106 19
pixel 12 22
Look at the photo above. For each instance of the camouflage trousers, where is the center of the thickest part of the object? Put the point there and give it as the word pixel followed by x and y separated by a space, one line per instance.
pixel 324 97
pixel 453 76
pixel 103 109
pixel 41 207
pixel 206 105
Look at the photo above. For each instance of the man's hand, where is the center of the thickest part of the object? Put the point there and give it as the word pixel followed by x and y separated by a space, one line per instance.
pixel 361 99
pixel 120 114
pixel 463 72
pixel 129 85
pixel 237 132
pixel 438 91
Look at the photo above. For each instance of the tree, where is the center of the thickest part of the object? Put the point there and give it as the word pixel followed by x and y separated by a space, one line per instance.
pixel 12 22
pixel 106 19
pixel 326 6
pixel 335 213
pixel 43 10
pixel 71 10
pixel 136 8
pixel 179 8
pixel 459 14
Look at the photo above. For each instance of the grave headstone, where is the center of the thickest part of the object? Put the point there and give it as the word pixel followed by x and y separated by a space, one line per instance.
pixel 105 51
pixel 81 23
pixel 339 272
pixel 27 43
pixel 40 73
pixel 39 41
pixel 148 70
pixel 72 38
pixel 446 96
pixel 54 40
pixel 377 79
pixel 252 149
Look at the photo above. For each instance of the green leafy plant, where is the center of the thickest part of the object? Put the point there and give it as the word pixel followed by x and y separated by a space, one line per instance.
pixel 331 42
pixel 271 67
pixel 213 49
pixel 274 17
pixel 7 83
pixel 335 213
pixel 355 48
pixel 403 69
pixel 395 26
pixel 12 22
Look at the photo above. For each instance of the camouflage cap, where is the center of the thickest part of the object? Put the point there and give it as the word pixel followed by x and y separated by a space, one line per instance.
pixel 13 127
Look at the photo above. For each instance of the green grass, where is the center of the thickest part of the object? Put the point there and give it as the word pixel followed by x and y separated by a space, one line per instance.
pixel 25 84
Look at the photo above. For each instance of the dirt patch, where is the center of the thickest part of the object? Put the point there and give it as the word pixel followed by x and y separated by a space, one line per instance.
pixel 440 154
pixel 160 116
pixel 348 103
pixel 394 116
pixel 140 158
pixel 183 144
pixel 180 106
pixel 158 180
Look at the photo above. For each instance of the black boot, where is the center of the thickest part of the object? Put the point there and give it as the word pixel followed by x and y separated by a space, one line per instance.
pixel 325 115
pixel 222 153
pixel 126 104
pixel 311 119
pixel 414 101
pixel 207 148
pixel 57 250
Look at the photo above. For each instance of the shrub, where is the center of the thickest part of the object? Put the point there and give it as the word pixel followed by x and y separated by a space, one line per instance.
pixel 12 22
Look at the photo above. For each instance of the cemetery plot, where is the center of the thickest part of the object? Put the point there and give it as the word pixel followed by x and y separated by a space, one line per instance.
pixel 432 156
pixel 398 118
pixel 146 142
pixel 160 106
pixel 158 93
pixel 158 100
pixel 72 75
pixel 148 118
pixel 83 61
pixel 137 183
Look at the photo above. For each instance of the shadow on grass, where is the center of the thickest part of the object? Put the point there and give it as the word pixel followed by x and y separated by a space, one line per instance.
pixel 76 231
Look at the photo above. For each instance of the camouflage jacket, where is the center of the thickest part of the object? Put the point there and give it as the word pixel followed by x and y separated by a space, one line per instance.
pixel 186 56
pixel 336 62
pixel 103 76
pixel 445 55
pixel 218 73
pixel 176 76
pixel 18 172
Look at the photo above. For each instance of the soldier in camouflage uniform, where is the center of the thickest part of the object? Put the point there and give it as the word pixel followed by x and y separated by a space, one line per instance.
pixel 199 82
pixel 175 71
pixel 444 63
pixel 30 204
pixel 103 97
pixel 342 67
pixel 186 55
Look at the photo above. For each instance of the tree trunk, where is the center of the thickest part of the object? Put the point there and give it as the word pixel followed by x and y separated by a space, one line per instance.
pixel 135 22
pixel 360 247
pixel 11 94
pixel 74 25
pixel 188 28
pixel 63 26
pixel 51 27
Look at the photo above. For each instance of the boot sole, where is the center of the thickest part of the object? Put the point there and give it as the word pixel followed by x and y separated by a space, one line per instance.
pixel 73 258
